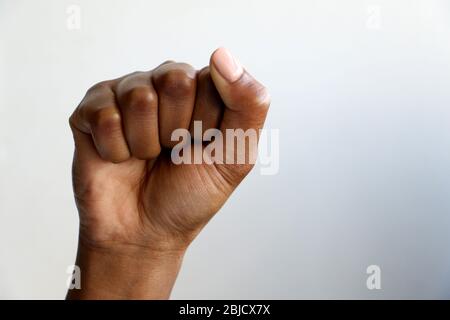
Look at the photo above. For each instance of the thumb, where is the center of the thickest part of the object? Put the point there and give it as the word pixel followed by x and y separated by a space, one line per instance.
pixel 246 100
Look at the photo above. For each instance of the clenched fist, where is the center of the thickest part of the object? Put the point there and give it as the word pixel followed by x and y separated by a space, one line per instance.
pixel 139 210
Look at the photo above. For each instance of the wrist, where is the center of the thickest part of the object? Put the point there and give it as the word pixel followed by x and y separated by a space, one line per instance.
pixel 126 272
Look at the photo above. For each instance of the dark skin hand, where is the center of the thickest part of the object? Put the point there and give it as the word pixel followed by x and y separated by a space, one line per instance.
pixel 138 210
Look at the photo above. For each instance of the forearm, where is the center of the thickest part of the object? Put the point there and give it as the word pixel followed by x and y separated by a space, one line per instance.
pixel 136 273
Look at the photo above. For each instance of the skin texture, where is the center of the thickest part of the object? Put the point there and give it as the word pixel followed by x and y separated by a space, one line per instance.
pixel 138 210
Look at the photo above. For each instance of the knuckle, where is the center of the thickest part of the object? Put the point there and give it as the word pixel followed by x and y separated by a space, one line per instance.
pixel 177 82
pixel 204 74
pixel 263 99
pixel 100 86
pixel 250 97
pixel 168 61
pixel 71 120
pixel 106 119
pixel 259 97
pixel 141 99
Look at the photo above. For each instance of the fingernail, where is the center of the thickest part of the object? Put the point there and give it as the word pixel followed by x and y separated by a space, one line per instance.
pixel 227 65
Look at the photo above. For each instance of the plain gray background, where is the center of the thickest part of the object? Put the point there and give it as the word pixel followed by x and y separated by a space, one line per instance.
pixel 361 97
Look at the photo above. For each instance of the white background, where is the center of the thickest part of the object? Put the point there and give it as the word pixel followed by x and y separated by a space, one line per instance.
pixel 361 97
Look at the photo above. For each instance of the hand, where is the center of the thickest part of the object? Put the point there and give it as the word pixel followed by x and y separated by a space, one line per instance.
pixel 138 210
